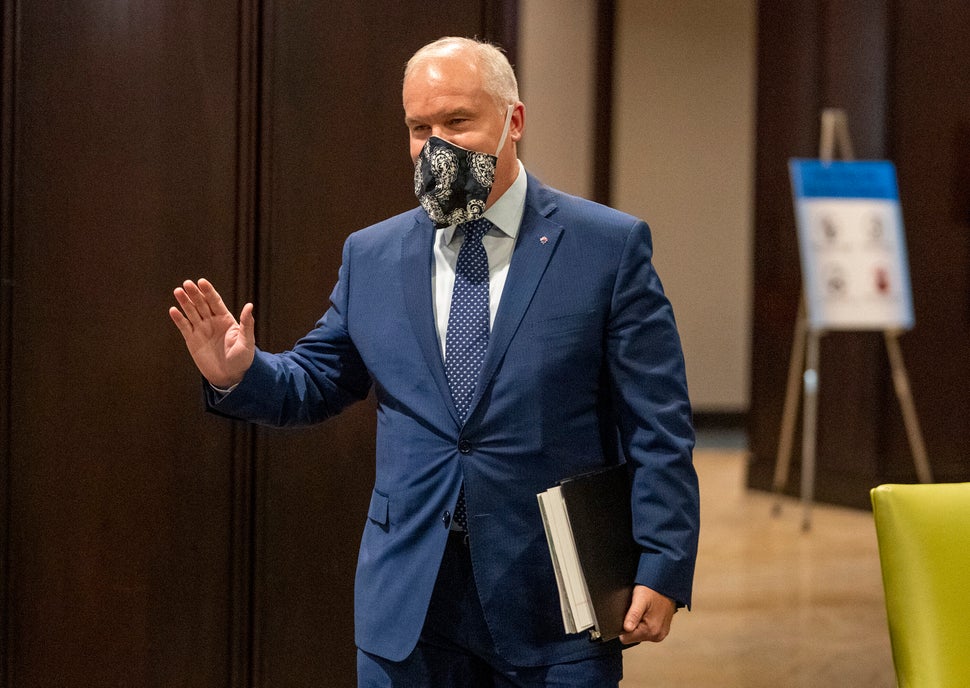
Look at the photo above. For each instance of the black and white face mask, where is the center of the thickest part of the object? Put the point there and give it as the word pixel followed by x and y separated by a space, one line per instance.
pixel 452 183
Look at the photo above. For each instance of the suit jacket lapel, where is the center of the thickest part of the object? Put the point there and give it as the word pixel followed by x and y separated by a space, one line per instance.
pixel 417 262
pixel 537 240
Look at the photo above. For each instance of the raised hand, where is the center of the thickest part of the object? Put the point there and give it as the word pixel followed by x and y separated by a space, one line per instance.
pixel 222 348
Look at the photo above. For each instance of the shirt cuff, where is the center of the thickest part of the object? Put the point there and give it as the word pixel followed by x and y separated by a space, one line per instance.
pixel 221 391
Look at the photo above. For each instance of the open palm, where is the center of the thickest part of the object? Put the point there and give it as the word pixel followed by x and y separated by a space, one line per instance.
pixel 222 348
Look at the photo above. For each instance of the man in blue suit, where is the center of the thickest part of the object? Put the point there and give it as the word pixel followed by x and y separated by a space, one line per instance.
pixel 570 361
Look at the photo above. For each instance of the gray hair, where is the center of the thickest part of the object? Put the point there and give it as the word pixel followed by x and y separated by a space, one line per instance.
pixel 498 78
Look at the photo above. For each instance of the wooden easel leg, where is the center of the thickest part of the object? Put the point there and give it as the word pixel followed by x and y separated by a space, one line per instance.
pixel 905 396
pixel 809 423
pixel 789 414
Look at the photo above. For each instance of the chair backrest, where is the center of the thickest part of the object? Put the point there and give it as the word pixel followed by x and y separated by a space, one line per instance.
pixel 924 551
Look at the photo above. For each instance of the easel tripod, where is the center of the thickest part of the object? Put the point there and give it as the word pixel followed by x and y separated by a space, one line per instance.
pixel 804 363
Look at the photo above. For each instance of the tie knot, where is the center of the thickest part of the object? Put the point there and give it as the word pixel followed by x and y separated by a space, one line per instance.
pixel 476 229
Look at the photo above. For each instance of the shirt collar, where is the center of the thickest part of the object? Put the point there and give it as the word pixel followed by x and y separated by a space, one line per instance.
pixel 506 213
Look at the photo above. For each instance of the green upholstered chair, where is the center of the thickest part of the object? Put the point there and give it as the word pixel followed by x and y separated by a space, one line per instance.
pixel 924 551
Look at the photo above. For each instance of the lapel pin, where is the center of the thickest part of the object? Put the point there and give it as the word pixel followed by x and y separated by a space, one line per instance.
pixel 543 240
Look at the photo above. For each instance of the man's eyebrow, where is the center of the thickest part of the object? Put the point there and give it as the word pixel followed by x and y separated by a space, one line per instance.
pixel 447 115
pixel 459 112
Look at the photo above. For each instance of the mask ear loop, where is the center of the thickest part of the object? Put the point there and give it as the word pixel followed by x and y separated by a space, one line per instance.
pixel 505 130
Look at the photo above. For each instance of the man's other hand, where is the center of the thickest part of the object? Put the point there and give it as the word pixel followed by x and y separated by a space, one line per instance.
pixel 649 616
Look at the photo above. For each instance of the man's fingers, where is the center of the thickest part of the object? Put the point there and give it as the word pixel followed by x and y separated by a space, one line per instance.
pixel 189 307
pixel 204 299
pixel 645 630
pixel 200 301
pixel 180 321
pixel 193 302
pixel 212 299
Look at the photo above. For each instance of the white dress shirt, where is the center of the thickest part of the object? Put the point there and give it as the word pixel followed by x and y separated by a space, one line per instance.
pixel 506 214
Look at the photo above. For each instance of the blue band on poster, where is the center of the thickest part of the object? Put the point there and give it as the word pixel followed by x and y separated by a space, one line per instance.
pixel 844 179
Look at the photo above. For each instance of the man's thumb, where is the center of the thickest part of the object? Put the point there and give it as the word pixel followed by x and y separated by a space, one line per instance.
pixel 248 323
pixel 637 609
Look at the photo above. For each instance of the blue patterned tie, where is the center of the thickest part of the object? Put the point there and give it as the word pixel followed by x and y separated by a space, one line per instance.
pixel 467 336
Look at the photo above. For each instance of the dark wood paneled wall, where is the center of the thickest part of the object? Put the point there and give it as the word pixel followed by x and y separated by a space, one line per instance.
pixel 894 67
pixel 145 543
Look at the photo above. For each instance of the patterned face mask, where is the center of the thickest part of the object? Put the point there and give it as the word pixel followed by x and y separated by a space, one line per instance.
pixel 452 183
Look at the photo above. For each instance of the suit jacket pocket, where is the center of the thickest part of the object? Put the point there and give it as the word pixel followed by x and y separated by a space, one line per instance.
pixel 378 510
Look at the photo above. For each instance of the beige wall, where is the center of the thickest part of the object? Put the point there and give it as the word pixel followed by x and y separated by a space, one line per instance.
pixel 682 154
pixel 556 65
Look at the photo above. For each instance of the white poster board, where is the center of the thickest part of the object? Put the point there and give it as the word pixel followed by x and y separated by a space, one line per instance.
pixel 853 251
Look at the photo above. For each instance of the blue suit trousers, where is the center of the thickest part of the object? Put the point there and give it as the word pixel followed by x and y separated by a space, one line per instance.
pixel 456 648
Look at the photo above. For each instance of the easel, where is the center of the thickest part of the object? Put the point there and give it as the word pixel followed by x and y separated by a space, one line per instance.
pixel 804 363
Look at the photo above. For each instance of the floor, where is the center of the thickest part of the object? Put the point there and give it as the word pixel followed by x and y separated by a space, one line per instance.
pixel 774 606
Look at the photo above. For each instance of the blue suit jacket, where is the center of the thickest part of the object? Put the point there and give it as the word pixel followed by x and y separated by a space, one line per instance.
pixel 583 369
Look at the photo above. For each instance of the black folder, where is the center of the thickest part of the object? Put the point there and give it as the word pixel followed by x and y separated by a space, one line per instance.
pixel 589 528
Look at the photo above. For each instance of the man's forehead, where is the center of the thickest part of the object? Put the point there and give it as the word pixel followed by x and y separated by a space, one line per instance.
pixel 451 71
pixel 442 94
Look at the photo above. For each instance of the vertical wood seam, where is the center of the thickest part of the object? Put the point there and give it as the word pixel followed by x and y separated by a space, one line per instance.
pixel 8 38
pixel 242 559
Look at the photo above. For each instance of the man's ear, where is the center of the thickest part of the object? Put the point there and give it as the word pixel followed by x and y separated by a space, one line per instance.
pixel 517 123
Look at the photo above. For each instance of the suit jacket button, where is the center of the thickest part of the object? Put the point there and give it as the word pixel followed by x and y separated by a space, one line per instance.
pixel 464 446
pixel 446 519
